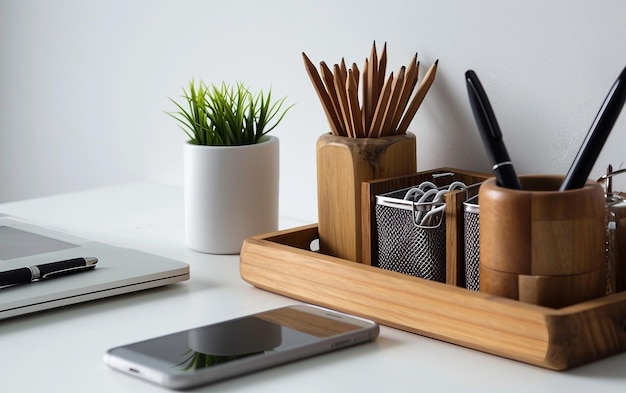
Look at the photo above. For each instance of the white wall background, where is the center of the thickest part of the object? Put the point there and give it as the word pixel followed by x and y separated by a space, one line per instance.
pixel 83 84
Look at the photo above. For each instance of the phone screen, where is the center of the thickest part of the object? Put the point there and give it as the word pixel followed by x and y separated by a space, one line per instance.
pixel 246 341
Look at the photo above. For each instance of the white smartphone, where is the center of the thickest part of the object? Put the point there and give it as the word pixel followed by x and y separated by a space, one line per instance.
pixel 226 349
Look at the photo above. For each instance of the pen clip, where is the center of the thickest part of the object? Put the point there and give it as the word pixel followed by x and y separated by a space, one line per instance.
pixel 62 272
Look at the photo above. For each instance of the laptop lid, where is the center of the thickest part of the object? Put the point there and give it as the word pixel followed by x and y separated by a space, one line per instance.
pixel 119 270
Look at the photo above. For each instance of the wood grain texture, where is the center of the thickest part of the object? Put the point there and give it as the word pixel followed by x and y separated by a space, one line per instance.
pixel 499 283
pixel 561 291
pixel 511 252
pixel 342 165
pixel 556 339
pixel 548 232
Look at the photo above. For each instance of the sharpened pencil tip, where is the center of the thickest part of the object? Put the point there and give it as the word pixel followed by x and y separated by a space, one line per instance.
pixel 437 61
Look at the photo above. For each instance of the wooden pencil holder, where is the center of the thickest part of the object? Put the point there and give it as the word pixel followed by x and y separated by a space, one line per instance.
pixel 342 165
pixel 540 245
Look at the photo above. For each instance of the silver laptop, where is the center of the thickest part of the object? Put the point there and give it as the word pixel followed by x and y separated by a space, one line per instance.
pixel 118 270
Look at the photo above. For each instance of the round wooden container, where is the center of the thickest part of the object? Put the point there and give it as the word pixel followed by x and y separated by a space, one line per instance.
pixel 542 238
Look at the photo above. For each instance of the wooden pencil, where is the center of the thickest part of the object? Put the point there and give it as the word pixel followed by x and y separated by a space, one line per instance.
pixel 340 88
pixel 372 84
pixel 387 105
pixel 367 111
pixel 423 88
pixel 329 81
pixel 357 77
pixel 322 94
pixel 410 80
pixel 390 111
pixel 356 73
pixel 381 106
pixel 344 70
pixel 382 68
pixel 355 111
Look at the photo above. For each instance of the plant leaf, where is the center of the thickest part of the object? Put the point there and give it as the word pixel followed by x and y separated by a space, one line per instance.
pixel 226 115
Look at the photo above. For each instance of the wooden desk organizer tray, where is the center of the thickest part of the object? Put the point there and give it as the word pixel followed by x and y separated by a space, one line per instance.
pixel 558 339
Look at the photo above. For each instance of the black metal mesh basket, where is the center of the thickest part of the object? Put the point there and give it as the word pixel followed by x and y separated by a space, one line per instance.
pixel 471 228
pixel 409 240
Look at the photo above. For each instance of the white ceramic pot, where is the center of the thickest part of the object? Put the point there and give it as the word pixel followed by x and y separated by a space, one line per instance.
pixel 231 193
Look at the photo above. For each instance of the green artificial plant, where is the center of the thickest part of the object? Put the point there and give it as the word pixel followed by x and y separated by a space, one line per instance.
pixel 227 115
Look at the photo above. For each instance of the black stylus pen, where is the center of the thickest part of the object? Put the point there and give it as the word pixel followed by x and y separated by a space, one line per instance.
pixel 490 133
pixel 44 271
pixel 597 135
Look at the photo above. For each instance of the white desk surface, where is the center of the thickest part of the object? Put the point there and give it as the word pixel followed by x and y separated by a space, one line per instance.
pixel 61 350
